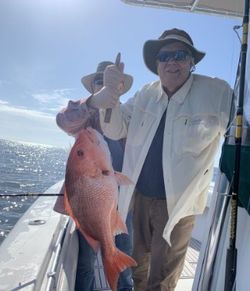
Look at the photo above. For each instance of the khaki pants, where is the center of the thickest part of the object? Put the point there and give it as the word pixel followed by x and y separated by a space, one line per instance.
pixel 159 265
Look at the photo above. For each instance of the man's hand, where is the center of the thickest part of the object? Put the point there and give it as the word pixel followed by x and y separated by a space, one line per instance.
pixel 113 77
pixel 113 81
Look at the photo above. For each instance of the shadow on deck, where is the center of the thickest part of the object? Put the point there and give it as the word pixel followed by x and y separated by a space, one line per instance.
pixel 188 272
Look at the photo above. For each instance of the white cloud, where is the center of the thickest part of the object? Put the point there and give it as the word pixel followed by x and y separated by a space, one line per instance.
pixel 22 124
pixel 3 102
pixel 57 97
pixel 21 111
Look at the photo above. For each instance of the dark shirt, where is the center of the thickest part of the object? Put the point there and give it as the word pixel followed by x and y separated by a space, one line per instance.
pixel 151 181
pixel 116 151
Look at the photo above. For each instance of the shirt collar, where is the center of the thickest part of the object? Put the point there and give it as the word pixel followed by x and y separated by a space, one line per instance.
pixel 180 95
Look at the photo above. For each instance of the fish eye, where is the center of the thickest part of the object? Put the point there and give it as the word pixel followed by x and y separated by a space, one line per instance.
pixel 105 172
pixel 80 153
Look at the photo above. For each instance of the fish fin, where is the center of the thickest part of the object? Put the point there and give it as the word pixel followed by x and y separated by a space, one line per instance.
pixel 114 264
pixel 122 179
pixel 120 226
pixel 91 241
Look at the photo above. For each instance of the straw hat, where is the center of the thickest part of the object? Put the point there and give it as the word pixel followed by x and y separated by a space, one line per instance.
pixel 87 81
pixel 152 47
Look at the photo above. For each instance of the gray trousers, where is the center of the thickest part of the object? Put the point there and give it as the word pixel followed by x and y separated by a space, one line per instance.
pixel 159 265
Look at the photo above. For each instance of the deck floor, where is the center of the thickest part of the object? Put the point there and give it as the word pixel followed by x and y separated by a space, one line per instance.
pixel 187 273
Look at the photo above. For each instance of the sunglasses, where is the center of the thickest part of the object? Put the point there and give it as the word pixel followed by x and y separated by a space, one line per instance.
pixel 98 82
pixel 178 55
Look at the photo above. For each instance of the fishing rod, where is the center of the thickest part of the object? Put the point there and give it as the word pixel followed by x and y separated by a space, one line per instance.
pixel 231 259
pixel 30 195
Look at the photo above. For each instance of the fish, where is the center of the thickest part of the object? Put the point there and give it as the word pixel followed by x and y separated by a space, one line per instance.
pixel 91 198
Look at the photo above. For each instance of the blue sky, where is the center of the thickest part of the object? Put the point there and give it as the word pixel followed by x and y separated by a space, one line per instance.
pixel 48 45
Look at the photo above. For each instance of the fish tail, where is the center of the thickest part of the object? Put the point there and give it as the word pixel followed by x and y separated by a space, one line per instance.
pixel 114 264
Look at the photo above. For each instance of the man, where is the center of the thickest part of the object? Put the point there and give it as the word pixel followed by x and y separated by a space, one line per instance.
pixel 72 119
pixel 172 128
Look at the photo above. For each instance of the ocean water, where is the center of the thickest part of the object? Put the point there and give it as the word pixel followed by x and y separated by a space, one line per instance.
pixel 26 168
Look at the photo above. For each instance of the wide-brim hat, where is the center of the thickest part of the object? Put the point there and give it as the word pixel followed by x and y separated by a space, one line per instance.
pixel 152 47
pixel 87 81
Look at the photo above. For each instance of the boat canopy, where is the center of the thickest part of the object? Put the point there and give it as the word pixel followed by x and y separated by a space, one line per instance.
pixel 231 8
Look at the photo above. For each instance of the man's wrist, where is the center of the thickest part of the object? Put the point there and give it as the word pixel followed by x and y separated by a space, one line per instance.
pixel 90 104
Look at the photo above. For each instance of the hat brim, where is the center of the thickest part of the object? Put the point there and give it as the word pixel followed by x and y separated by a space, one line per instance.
pixel 152 47
pixel 87 82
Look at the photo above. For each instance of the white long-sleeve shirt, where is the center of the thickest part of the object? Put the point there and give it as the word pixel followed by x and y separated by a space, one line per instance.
pixel 197 117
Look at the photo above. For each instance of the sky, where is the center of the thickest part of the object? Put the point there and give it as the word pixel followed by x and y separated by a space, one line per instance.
pixel 47 46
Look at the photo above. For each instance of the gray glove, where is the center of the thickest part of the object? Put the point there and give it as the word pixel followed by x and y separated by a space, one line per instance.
pixel 113 81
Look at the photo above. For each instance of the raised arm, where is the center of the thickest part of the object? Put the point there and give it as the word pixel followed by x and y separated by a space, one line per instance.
pixel 116 83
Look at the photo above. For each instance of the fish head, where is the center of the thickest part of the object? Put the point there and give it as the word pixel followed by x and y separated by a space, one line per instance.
pixel 89 155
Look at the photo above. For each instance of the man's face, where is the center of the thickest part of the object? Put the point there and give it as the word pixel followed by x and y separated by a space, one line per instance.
pixel 173 65
pixel 97 84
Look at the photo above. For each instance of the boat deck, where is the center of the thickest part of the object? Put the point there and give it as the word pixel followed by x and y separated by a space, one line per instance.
pixel 186 279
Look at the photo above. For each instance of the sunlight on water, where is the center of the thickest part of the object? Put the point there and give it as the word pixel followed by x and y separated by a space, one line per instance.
pixel 25 168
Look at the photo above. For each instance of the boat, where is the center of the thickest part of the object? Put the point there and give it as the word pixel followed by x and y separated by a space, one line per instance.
pixel 35 255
